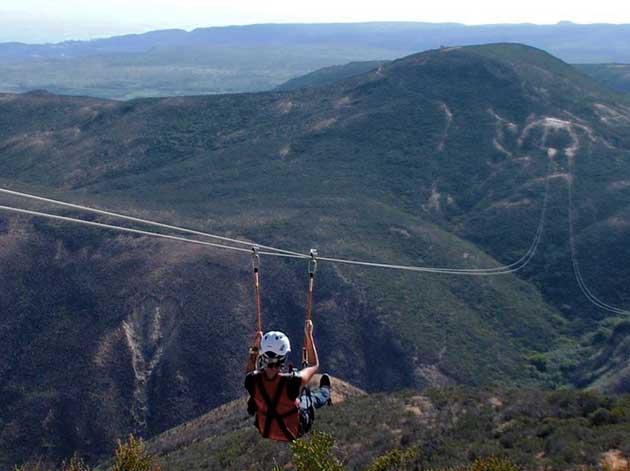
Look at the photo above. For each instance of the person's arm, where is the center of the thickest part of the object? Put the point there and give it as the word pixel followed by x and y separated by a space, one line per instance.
pixel 307 373
pixel 253 353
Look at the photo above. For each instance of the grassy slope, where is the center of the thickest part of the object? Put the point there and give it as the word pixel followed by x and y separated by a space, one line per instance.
pixel 449 427
pixel 368 168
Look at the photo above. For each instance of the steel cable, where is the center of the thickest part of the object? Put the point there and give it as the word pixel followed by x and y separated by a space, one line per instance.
pixel 137 231
pixel 144 221
pixel 592 298
pixel 500 270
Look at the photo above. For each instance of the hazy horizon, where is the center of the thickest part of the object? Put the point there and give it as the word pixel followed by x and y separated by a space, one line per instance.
pixel 149 30
pixel 38 21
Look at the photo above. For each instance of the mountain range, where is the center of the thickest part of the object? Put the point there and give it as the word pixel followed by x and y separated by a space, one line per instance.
pixel 261 57
pixel 448 158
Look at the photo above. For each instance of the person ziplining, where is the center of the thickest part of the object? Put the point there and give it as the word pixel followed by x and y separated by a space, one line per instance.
pixel 282 401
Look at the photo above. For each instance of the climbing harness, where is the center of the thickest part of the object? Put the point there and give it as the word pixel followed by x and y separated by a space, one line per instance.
pixel 312 269
pixel 271 421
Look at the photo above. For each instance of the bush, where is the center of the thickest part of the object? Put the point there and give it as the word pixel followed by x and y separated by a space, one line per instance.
pixel 494 463
pixel 601 417
pixel 395 460
pixel 539 361
pixel 75 464
pixel 133 456
pixel 35 466
pixel 315 454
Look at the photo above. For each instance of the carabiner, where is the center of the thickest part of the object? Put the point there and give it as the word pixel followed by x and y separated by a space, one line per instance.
pixel 255 258
pixel 312 263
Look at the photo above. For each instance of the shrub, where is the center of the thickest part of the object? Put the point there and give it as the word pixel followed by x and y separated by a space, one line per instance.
pixel 34 466
pixel 75 464
pixel 539 361
pixel 491 463
pixel 601 417
pixel 133 456
pixel 315 454
pixel 619 412
pixel 494 463
pixel 395 460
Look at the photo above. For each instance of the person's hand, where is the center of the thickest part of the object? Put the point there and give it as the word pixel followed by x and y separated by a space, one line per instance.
pixel 258 339
pixel 308 328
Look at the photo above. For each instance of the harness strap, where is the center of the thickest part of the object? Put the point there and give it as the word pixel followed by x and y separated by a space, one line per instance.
pixel 256 268
pixel 312 269
pixel 272 411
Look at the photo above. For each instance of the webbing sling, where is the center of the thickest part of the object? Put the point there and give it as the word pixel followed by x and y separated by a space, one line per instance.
pixel 256 268
pixel 312 269
pixel 272 412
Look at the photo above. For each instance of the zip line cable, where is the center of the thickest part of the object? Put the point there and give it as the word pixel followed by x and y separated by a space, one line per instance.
pixel 573 250
pixel 144 221
pixel 272 251
pixel 138 231
pixel 500 270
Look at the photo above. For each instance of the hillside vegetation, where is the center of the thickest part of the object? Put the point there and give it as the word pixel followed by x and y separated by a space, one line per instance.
pixel 437 159
pixel 616 76
pixel 330 75
pixel 440 428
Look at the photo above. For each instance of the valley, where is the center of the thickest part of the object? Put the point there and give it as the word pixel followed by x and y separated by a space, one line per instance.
pixel 445 158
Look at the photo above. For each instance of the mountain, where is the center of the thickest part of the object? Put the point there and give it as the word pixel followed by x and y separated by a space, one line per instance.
pixel 260 57
pixel 393 36
pixel 444 428
pixel 616 76
pixel 437 159
pixel 330 75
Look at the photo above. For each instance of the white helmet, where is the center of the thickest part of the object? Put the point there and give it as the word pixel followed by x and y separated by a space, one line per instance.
pixel 274 348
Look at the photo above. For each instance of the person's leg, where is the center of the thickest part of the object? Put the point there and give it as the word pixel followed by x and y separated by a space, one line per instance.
pixel 320 397
pixel 306 413
pixel 305 400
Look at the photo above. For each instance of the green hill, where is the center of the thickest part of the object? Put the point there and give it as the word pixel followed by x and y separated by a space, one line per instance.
pixel 616 76
pixel 442 427
pixel 436 159
pixel 330 75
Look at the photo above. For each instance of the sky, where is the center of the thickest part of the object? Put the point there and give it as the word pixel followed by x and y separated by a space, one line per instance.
pixel 36 21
